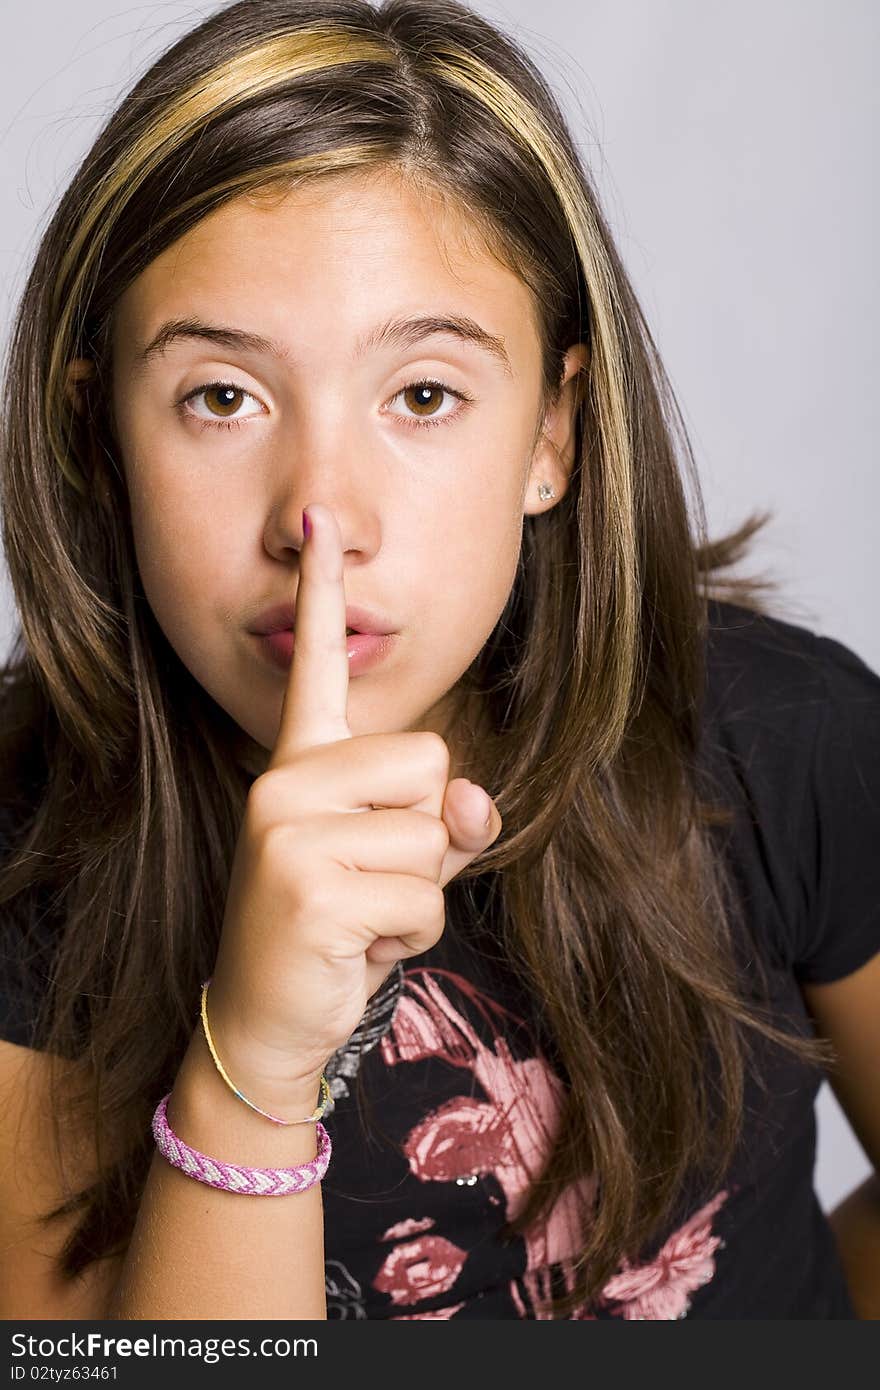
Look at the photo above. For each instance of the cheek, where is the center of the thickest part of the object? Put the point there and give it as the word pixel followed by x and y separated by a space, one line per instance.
pixel 470 557
pixel 487 518
pixel 181 517
pixel 187 557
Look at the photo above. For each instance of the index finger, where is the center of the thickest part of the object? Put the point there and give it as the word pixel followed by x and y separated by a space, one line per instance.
pixel 315 708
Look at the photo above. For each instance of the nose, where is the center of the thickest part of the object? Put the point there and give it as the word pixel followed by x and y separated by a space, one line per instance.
pixel 345 487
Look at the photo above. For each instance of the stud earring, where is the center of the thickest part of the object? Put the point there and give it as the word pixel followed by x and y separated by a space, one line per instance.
pixel 545 492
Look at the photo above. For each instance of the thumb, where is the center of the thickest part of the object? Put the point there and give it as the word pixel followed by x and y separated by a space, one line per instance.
pixel 464 810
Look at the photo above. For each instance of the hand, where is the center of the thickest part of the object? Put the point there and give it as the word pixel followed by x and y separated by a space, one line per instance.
pixel 344 850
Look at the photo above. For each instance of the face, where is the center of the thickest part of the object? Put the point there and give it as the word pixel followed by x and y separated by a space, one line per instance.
pixel 223 442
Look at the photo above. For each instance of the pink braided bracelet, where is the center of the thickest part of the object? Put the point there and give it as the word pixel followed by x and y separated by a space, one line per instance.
pixel 231 1177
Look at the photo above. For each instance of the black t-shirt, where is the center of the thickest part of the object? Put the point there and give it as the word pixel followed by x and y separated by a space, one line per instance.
pixel 444 1104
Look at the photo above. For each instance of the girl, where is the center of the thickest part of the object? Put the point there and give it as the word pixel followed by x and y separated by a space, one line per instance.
pixel 328 333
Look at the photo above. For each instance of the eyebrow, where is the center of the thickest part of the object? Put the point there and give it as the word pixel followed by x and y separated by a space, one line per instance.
pixel 399 332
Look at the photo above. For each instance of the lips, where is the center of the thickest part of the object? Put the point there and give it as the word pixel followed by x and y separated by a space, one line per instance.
pixel 281 618
pixel 364 649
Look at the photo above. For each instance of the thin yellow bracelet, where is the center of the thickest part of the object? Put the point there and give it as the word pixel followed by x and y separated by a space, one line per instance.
pixel 308 1119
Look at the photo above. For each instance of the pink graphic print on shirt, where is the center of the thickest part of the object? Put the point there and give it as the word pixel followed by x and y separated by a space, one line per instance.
pixel 508 1135
pixel 661 1288
pixel 420 1269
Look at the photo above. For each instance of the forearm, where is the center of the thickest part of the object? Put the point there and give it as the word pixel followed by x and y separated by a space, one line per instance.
pixel 856 1226
pixel 197 1252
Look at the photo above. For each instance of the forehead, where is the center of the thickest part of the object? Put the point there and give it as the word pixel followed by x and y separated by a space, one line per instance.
pixel 279 259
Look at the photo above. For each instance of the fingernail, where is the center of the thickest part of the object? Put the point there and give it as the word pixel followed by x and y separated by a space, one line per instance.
pixel 307 525
pixel 484 800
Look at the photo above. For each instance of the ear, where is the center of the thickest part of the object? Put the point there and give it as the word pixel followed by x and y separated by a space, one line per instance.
pixel 80 371
pixel 553 456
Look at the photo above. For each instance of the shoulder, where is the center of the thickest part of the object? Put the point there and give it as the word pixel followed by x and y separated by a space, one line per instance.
pixel 791 684
pixel 794 706
pixel 792 738
pixel 752 657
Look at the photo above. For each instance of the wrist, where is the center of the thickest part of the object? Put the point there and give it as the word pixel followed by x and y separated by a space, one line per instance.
pixel 268 1088
pixel 210 1117
pixel 266 1075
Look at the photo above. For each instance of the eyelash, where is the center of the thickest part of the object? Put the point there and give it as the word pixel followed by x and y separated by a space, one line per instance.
pixel 410 423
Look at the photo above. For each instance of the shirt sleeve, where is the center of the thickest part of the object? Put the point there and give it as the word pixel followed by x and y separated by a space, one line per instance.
pixel 839 840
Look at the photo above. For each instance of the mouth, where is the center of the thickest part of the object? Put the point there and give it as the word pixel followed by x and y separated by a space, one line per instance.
pixel 364 649
pixel 359 620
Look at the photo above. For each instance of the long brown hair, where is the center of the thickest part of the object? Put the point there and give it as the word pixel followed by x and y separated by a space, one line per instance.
pixel 612 901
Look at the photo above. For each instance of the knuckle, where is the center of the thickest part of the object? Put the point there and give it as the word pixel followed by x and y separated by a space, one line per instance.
pixel 434 904
pixel 285 852
pixel 309 909
pixel 436 754
pixel 262 802
pixel 275 844
pixel 438 838
pixel 268 799
pixel 314 898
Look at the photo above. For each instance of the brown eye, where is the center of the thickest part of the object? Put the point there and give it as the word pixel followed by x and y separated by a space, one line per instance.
pixel 421 397
pixel 218 404
pixel 226 399
pixel 427 403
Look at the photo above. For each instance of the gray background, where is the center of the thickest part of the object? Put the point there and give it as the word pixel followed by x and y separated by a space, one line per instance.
pixel 733 148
